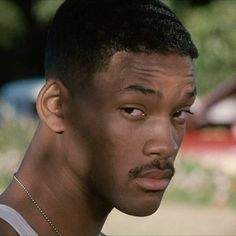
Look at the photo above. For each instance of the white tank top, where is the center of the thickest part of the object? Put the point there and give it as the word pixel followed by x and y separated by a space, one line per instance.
pixel 17 222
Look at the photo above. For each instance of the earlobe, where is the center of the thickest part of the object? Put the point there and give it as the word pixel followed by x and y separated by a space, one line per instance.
pixel 50 105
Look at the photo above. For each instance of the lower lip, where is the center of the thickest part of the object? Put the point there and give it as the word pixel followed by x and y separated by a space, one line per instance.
pixel 151 184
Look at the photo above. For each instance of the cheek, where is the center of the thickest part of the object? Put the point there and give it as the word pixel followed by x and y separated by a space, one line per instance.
pixel 179 132
pixel 115 151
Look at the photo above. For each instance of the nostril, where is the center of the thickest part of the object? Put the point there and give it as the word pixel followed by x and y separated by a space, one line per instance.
pixel 155 148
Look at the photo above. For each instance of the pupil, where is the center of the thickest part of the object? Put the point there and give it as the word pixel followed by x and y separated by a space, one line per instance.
pixel 129 110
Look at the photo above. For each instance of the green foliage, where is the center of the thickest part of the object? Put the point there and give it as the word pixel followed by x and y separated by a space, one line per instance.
pixel 14 22
pixel 194 183
pixel 212 28
pixel 12 25
pixel 16 134
pixel 5 179
pixel 43 10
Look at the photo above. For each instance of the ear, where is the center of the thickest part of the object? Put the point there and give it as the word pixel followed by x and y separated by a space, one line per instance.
pixel 49 104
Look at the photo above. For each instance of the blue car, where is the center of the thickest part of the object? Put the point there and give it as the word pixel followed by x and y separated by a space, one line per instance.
pixel 18 97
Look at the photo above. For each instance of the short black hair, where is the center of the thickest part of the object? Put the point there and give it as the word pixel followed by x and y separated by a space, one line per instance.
pixel 86 33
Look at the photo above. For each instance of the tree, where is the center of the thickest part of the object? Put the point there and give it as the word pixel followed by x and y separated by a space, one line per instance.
pixel 23 26
pixel 212 25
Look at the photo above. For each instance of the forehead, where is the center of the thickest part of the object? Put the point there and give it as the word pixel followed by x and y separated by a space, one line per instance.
pixel 149 69
pixel 152 62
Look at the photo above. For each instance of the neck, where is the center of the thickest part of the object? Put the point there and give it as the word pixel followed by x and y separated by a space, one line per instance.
pixel 63 196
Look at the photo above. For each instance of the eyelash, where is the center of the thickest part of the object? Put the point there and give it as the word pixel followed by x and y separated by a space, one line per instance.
pixel 127 111
pixel 181 116
pixel 185 111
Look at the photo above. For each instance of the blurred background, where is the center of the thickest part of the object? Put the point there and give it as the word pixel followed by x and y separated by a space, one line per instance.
pixel 201 199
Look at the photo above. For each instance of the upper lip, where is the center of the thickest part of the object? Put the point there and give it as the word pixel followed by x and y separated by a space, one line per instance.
pixel 156 174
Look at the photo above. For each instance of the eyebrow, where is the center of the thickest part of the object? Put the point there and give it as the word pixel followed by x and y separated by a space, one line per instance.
pixel 142 89
pixel 148 91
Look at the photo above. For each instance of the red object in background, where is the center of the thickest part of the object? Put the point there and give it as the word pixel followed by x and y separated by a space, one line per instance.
pixel 217 108
pixel 212 129
pixel 217 140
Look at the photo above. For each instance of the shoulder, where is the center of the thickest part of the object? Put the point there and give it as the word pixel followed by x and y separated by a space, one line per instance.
pixel 6 229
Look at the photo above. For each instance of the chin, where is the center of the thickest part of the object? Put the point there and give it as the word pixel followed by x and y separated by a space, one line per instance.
pixel 141 207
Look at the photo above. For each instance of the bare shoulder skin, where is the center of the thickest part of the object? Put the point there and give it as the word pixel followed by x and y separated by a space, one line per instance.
pixel 6 230
pixel 111 146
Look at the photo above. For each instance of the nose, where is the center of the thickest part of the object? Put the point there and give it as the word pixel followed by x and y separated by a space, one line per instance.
pixel 162 141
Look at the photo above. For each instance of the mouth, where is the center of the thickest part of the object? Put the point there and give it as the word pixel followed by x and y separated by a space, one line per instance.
pixel 154 180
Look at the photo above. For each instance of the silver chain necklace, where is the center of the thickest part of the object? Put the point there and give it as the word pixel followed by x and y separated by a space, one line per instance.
pixel 38 207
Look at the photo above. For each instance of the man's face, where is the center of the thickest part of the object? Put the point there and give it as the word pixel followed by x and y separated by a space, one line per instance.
pixel 128 126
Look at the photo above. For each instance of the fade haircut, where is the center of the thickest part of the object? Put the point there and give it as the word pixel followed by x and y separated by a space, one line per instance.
pixel 86 33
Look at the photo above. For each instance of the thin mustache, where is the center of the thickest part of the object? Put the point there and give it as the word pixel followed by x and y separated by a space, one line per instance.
pixel 156 164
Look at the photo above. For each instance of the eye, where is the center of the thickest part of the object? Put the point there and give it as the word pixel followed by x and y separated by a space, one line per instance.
pixel 133 113
pixel 181 115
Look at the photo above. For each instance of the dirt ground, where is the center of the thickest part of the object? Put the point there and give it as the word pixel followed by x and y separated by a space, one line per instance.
pixel 175 219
